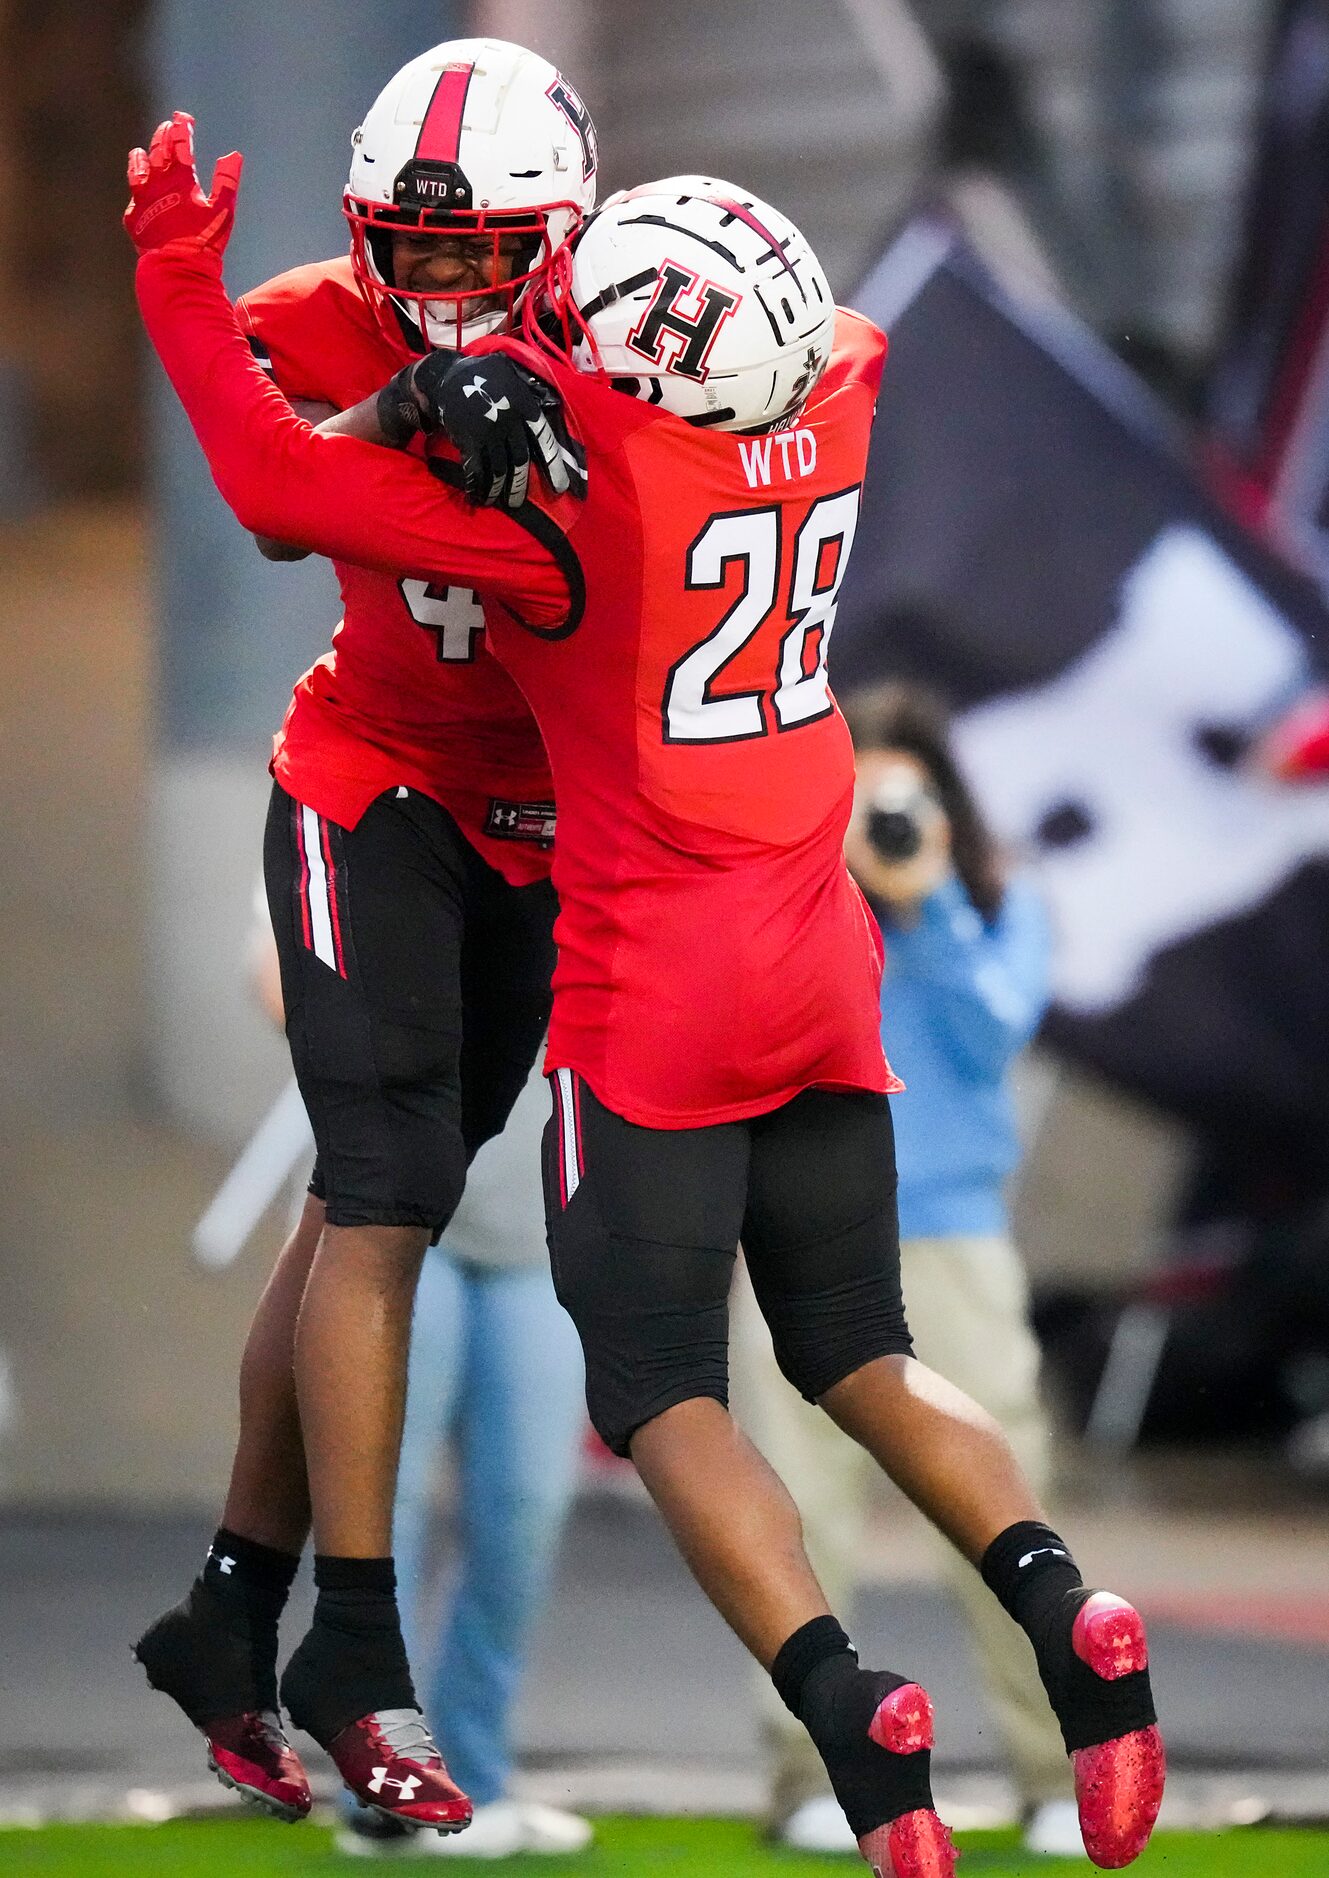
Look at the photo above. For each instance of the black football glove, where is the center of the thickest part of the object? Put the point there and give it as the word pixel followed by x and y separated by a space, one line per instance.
pixel 500 417
pixel 404 412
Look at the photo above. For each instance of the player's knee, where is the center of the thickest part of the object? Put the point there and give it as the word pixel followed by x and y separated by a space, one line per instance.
pixel 643 1356
pixel 487 1103
pixel 421 1101
pixel 822 1337
pixel 638 1367
pixel 621 1417
pixel 431 1171
pixel 834 1307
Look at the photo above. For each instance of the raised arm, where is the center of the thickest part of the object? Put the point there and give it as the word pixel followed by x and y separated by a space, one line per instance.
pixel 332 494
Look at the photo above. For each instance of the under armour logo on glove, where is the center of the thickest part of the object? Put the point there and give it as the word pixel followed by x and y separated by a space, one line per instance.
pixel 479 389
pixel 499 418
pixel 405 1788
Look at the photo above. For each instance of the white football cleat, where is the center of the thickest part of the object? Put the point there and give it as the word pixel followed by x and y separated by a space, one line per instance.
pixel 509 1828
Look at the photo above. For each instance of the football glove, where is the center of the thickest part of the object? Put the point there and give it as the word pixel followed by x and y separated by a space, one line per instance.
pixel 501 418
pixel 167 206
pixel 404 412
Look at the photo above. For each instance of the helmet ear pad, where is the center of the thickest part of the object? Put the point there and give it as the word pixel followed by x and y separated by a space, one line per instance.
pixel 379 243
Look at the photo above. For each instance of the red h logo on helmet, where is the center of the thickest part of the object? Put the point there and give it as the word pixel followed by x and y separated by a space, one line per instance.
pixel 668 321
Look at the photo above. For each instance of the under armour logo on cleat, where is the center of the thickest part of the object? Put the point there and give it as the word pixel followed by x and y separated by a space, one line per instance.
pixel 479 388
pixel 405 1788
pixel 1054 1550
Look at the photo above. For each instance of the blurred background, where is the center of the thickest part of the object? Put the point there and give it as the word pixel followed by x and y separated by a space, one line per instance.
pixel 1098 234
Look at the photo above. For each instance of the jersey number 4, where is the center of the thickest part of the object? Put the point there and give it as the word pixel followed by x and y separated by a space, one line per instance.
pixel 751 537
pixel 452 614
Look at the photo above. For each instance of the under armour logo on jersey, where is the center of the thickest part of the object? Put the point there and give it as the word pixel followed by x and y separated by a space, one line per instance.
pixel 1054 1550
pixel 479 388
pixel 405 1788
pixel 668 318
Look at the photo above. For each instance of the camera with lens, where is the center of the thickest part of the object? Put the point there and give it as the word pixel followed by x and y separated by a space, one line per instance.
pixel 899 813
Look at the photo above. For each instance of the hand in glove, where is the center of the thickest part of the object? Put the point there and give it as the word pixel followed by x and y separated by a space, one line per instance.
pixel 499 416
pixel 167 206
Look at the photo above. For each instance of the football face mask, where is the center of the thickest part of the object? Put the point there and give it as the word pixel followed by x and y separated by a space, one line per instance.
pixel 448 280
pixel 480 151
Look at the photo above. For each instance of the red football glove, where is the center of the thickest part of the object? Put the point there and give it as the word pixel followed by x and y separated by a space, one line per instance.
pixel 167 206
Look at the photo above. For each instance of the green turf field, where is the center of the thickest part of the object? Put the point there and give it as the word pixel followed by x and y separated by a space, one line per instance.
pixel 625 1848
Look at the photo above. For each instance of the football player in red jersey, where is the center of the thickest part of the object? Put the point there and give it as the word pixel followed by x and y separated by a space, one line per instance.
pixel 407 860
pixel 714 1053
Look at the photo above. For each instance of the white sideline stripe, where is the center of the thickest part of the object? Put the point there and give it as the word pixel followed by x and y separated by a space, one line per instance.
pixel 571 1178
pixel 282 1142
pixel 319 919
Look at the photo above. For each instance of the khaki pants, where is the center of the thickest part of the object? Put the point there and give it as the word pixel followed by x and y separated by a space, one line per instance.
pixel 968 1310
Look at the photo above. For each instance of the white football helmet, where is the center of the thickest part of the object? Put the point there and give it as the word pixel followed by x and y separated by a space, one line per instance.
pixel 694 295
pixel 478 137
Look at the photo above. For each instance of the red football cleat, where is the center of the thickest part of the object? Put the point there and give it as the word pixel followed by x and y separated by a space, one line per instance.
pixel 391 1762
pixel 1119 1784
pixel 251 1755
pixel 916 1845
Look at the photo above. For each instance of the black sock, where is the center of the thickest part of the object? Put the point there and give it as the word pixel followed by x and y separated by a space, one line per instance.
pixel 817 1676
pixel 215 1653
pixel 1030 1570
pixel 815 1643
pixel 242 1573
pixel 353 1661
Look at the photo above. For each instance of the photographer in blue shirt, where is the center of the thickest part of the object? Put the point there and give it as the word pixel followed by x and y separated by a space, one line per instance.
pixel 965 985
pixel 967 966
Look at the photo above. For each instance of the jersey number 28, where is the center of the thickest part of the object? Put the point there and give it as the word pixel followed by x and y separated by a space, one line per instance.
pixel 692 711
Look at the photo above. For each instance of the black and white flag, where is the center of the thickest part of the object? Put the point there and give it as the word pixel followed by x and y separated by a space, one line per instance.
pixel 1035 544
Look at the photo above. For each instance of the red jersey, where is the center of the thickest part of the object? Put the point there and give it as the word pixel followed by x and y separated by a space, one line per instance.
pixel 715 957
pixel 410 692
